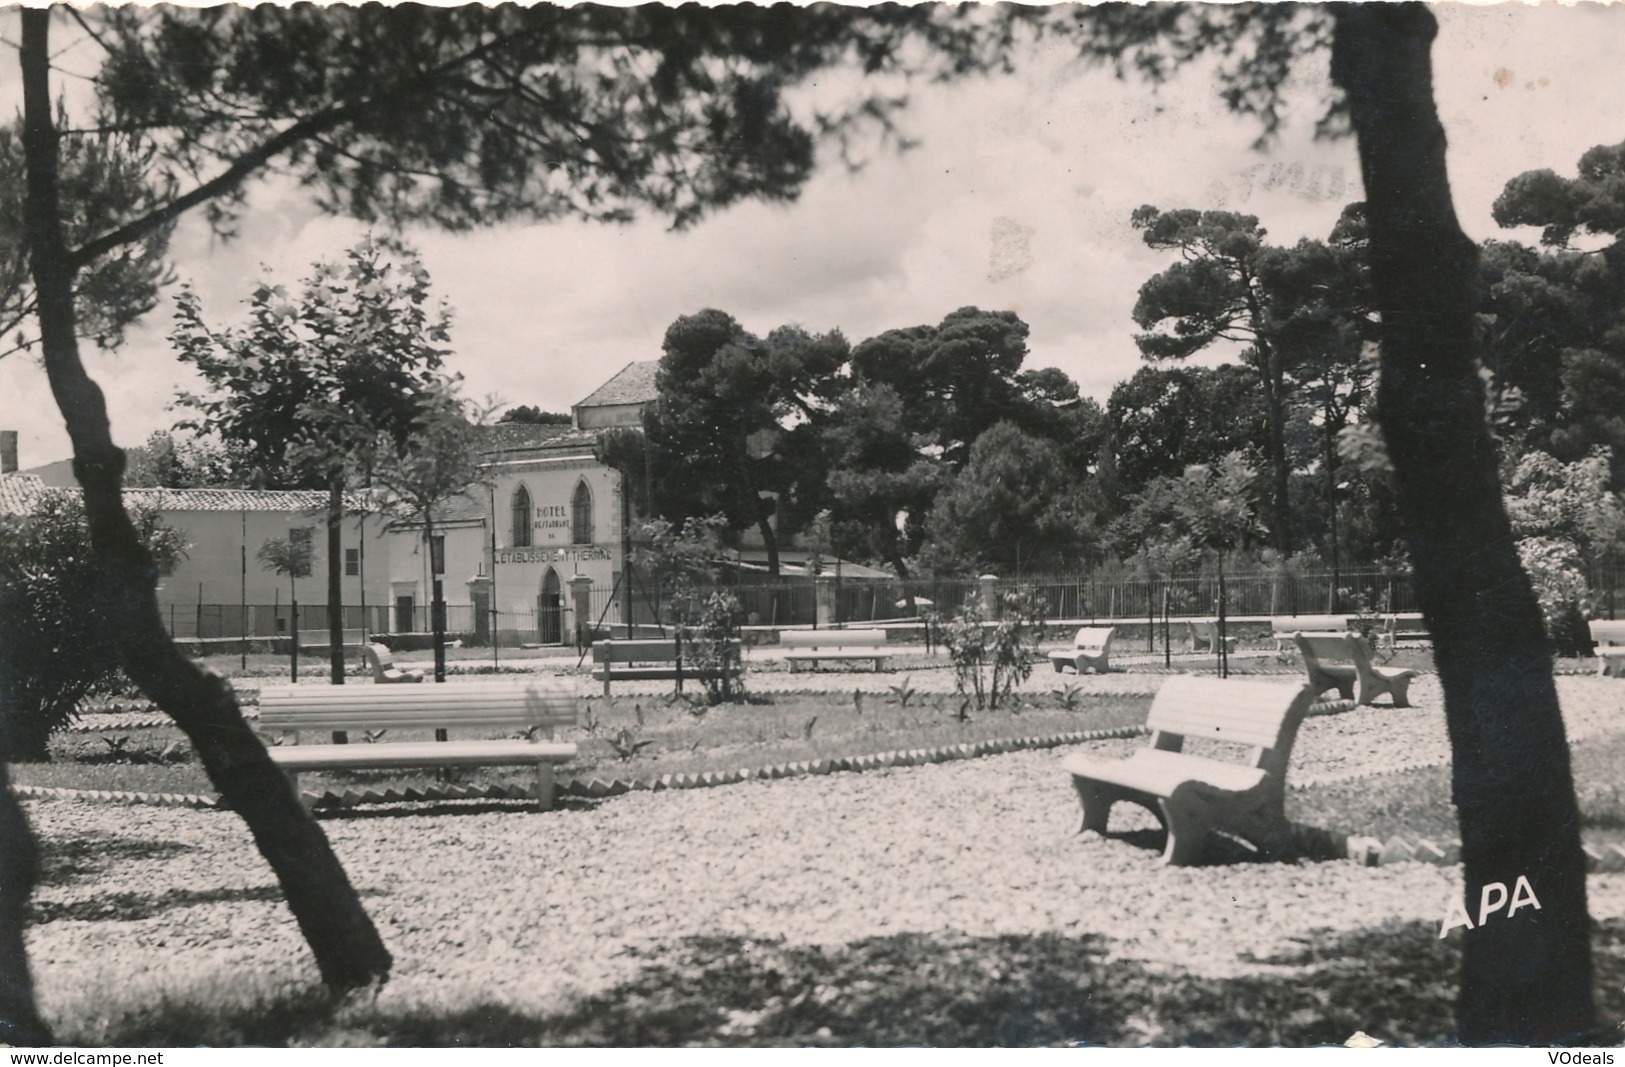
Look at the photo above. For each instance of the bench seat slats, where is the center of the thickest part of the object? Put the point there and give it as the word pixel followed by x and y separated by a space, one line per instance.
pixel 421 754
pixel 1160 773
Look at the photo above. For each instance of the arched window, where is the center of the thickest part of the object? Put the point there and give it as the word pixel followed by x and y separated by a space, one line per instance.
pixel 581 515
pixel 520 518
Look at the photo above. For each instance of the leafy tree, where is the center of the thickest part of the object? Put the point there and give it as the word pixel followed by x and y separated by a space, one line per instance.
pixel 53 630
pixel 881 479
pixel 734 417
pixel 1554 319
pixel 312 387
pixel 171 461
pixel 293 557
pixel 534 416
pixel 105 178
pixel 955 379
pixel 1014 508
pixel 1166 418
pixel 1282 305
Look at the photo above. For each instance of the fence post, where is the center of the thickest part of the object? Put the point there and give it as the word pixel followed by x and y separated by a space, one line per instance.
pixel 990 601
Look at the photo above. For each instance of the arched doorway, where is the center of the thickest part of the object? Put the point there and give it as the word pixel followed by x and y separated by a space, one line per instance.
pixel 550 610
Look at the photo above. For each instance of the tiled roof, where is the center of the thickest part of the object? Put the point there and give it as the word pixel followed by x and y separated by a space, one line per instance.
pixel 18 492
pixel 241 499
pixel 524 436
pixel 635 384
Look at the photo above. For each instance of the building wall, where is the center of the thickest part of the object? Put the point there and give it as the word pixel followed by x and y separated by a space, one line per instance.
pixel 516 571
pixel 213 574
pixel 609 415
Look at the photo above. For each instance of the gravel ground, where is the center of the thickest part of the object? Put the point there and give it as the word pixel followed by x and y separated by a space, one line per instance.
pixel 519 907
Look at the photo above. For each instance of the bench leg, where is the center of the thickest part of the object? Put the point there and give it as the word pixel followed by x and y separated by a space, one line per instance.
pixel 1401 690
pixel 1187 831
pixel 606 683
pixel 544 786
pixel 1096 798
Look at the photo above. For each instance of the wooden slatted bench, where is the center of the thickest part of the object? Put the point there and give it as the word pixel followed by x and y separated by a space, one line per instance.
pixel 810 646
pixel 1194 794
pixel 1091 647
pixel 1343 662
pixel 1609 634
pixel 641 659
pixel 529 705
pixel 1282 627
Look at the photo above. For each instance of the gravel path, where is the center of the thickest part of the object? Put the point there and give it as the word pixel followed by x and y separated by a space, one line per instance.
pixel 519 908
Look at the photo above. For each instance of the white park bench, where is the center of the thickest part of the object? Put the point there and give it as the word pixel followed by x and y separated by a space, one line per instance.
pixel 810 646
pixel 1408 627
pixel 1194 794
pixel 1282 627
pixel 1204 636
pixel 381 662
pixel 529 706
pixel 1091 647
pixel 1342 661
pixel 658 658
pixel 321 640
pixel 1609 634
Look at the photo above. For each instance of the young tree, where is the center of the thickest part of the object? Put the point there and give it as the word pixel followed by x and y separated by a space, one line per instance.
pixel 311 388
pixel 293 557
pixel 437 462
pixel 53 631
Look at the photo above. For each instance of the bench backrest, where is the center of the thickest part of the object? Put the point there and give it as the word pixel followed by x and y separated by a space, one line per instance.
pixel 379 657
pixel 1608 631
pixel 308 638
pixel 659 650
pixel 501 705
pixel 1263 716
pixel 1291 624
pixel 1094 637
pixel 832 638
pixel 1348 648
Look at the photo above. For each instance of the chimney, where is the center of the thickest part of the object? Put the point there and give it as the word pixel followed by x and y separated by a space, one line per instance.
pixel 8 451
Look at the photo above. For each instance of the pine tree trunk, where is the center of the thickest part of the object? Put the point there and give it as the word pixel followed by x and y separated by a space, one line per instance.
pixel 348 950
pixel 1526 978
pixel 335 578
pixel 20 1023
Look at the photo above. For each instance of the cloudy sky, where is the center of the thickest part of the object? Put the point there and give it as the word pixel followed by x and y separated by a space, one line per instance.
pixel 1017 197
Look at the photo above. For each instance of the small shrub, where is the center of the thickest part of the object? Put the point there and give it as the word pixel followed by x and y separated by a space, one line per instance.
pixel 705 633
pixel 990 661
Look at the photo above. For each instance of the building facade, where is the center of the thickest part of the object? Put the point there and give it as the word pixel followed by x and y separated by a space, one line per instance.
pixel 534 554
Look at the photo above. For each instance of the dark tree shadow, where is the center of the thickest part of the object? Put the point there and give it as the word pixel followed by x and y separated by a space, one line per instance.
pixel 1396 982
pixel 67 859
pixel 132 907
